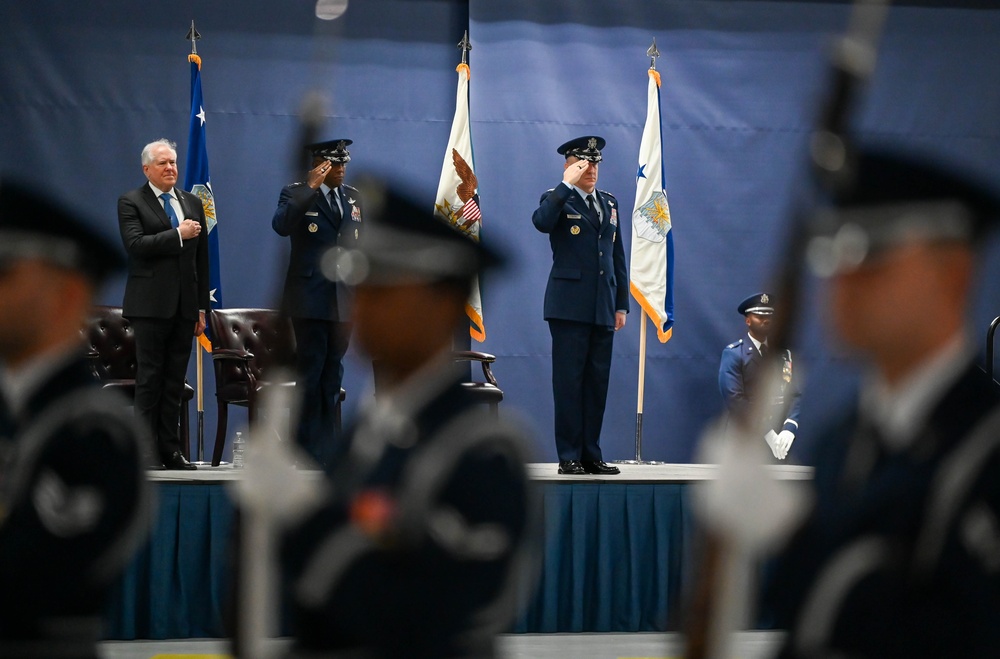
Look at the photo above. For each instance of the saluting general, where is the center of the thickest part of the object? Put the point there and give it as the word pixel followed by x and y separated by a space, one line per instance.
pixel 320 213
pixel 586 301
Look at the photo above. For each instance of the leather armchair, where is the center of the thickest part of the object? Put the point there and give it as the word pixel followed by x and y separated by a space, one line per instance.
pixel 248 346
pixel 487 392
pixel 112 358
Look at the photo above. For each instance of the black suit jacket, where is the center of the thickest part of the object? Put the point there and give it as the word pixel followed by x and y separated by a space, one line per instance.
pixel 165 278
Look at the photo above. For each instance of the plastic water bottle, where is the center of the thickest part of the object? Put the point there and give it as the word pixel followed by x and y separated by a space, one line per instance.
pixel 239 446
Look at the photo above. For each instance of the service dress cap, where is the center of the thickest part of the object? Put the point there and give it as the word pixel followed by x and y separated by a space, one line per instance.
pixel 761 304
pixel 898 199
pixel 33 226
pixel 587 147
pixel 404 241
pixel 332 150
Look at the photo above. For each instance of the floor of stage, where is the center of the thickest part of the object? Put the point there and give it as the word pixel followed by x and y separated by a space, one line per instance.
pixel 538 471
pixel 747 645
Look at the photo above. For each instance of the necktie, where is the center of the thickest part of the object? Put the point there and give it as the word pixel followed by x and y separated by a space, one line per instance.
pixel 763 350
pixel 334 206
pixel 169 208
pixel 593 210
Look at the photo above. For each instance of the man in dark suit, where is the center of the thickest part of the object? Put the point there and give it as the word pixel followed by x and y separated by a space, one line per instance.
pixel 423 538
pixel 745 375
pixel 586 301
pixel 318 214
pixel 900 556
pixel 166 293
pixel 74 498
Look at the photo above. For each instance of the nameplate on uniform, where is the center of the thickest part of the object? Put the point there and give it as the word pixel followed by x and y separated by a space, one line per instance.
pixel 573 217
pixel 312 212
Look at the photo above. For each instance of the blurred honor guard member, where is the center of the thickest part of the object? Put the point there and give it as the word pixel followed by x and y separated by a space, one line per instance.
pixel 166 294
pixel 586 300
pixel 73 489
pixel 901 554
pixel 743 372
pixel 318 214
pixel 417 550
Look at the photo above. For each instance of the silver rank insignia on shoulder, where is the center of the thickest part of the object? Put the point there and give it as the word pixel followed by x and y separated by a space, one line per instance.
pixel 313 227
pixel 575 230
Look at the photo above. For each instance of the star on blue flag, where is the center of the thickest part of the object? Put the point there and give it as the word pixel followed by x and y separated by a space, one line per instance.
pixel 641 173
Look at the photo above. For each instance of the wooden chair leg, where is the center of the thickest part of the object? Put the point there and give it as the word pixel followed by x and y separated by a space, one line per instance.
pixel 220 433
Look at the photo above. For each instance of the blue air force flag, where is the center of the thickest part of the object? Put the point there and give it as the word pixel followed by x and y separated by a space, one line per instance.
pixel 197 181
pixel 651 265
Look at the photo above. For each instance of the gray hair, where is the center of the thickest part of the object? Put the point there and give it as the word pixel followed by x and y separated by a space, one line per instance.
pixel 147 151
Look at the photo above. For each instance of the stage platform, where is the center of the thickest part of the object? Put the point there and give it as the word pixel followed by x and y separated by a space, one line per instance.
pixel 617 553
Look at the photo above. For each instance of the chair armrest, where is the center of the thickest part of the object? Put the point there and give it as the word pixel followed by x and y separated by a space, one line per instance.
pixel 473 356
pixel 229 353
pixel 483 358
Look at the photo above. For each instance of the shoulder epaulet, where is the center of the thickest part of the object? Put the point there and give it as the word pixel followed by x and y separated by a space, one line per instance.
pixel 550 190
pixel 607 193
pixel 734 344
pixel 297 184
pixel 350 187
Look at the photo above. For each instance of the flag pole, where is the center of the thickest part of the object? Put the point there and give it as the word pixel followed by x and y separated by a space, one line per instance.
pixel 652 52
pixel 641 387
pixel 193 36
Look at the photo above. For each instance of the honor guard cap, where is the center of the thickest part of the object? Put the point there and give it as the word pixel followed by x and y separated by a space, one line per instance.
pixel 332 150
pixel 898 199
pixel 403 241
pixel 761 304
pixel 32 226
pixel 585 148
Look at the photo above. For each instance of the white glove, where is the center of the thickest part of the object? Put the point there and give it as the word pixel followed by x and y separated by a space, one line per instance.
pixel 785 439
pixel 773 442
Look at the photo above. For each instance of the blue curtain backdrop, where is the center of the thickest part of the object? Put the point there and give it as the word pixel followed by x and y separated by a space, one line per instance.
pixel 83 88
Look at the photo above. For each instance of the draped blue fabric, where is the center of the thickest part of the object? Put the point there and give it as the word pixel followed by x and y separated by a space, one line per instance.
pixel 616 558
pixel 80 94
pixel 179 583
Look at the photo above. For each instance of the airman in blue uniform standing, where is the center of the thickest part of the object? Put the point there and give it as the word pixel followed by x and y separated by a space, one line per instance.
pixel 586 302
pixel 745 375
pixel 318 214
pixel 900 555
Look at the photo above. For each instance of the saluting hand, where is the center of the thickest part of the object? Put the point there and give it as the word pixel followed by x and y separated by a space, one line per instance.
pixel 575 171
pixel 318 174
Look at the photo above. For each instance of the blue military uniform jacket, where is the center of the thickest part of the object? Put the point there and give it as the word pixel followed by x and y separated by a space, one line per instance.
pixel 901 554
pixel 420 546
pixel 588 282
pixel 741 382
pixel 74 504
pixel 305 216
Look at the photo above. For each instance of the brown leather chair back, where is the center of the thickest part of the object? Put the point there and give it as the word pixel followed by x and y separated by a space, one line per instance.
pixel 112 344
pixel 264 333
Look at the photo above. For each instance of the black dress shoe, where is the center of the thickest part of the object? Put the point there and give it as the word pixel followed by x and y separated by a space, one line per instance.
pixel 572 467
pixel 176 460
pixel 599 467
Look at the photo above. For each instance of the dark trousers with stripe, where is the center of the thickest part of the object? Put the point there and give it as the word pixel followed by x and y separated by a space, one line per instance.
pixel 581 368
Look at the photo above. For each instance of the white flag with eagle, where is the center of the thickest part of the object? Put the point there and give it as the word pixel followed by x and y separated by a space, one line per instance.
pixel 651 267
pixel 457 196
